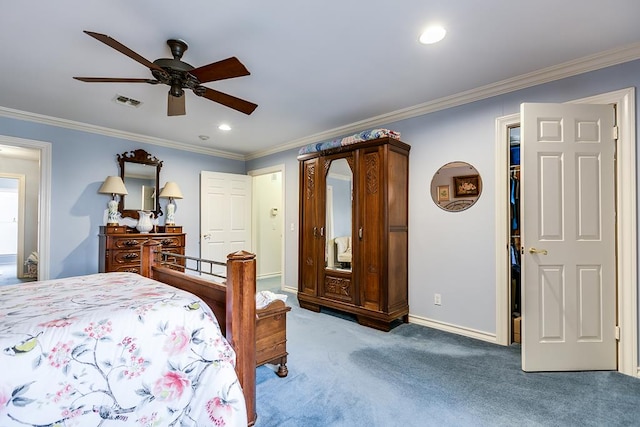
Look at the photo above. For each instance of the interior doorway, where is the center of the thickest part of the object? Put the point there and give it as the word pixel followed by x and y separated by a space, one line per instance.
pixel 26 163
pixel 626 232
pixel 268 224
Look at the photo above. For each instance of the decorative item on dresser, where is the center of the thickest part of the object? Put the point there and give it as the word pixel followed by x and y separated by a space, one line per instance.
pixel 358 190
pixel 171 191
pixel 113 185
pixel 120 247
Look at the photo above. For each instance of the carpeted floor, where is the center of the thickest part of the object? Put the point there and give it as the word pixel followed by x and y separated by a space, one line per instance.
pixel 344 374
pixel 269 284
pixel 8 275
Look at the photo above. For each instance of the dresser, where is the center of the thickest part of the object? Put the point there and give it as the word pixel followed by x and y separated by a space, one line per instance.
pixel 120 247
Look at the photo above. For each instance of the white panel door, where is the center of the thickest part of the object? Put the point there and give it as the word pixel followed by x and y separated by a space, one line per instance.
pixel 225 215
pixel 568 235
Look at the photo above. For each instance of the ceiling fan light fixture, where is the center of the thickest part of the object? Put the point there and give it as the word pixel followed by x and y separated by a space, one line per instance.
pixel 176 90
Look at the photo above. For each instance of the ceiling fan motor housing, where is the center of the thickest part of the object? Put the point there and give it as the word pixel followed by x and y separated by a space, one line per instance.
pixel 176 71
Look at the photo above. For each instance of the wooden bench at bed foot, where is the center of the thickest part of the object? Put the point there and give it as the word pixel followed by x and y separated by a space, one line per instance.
pixel 271 336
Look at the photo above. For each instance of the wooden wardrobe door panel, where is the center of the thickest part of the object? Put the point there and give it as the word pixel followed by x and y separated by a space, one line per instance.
pixel 309 202
pixel 398 223
pixel 372 242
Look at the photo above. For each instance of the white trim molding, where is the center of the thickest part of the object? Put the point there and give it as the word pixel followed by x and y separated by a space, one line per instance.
pixel 582 65
pixel 115 133
pixel 503 294
pixel 44 211
pixel 454 329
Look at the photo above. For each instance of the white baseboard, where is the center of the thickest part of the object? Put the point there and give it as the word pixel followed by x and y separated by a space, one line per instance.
pixel 454 329
pixel 268 275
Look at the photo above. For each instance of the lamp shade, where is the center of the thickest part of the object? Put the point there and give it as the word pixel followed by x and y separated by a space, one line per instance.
pixel 113 185
pixel 171 191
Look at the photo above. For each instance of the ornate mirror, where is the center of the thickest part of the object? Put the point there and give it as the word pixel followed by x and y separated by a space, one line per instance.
pixel 339 225
pixel 140 172
pixel 456 186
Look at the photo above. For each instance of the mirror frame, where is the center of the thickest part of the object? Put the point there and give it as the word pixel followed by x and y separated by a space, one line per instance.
pixel 142 157
pixel 451 200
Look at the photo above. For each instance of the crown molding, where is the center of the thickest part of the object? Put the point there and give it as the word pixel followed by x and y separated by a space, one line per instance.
pixel 84 127
pixel 579 66
pixel 589 63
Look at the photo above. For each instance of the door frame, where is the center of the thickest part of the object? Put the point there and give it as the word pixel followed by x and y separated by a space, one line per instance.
pixel 44 199
pixel 626 226
pixel 267 171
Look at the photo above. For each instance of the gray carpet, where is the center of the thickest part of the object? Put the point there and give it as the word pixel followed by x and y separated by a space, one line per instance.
pixel 344 374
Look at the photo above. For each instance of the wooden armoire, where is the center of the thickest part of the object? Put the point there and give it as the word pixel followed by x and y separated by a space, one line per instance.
pixel 357 191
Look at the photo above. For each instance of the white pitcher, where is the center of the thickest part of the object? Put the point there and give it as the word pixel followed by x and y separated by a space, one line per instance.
pixel 144 221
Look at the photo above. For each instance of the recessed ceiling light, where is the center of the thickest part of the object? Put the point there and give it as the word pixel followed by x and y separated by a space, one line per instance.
pixel 432 34
pixel 203 137
pixel 224 127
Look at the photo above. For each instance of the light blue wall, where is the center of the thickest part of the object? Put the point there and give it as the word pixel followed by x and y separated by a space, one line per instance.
pixel 451 254
pixel 454 253
pixel 80 163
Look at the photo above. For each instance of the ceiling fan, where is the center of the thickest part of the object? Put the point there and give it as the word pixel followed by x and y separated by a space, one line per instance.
pixel 180 75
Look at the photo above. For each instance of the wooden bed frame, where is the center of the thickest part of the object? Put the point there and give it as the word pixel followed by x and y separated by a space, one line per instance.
pixel 233 304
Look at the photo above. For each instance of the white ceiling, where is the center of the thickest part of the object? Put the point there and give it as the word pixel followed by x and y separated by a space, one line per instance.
pixel 318 69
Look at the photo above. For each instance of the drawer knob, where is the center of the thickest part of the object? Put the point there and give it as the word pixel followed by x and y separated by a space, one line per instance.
pixel 166 242
pixel 130 255
pixel 131 243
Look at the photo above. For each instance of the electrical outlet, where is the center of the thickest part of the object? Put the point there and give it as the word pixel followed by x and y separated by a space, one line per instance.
pixel 437 299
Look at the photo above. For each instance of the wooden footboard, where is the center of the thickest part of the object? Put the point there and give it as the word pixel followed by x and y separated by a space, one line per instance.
pixel 234 305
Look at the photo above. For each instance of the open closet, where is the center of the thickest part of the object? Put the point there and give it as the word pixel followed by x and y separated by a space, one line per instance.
pixel 514 230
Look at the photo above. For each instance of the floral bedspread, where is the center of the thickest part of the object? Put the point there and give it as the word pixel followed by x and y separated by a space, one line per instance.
pixel 113 349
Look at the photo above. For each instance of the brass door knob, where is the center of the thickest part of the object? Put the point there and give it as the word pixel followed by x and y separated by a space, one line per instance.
pixel 538 251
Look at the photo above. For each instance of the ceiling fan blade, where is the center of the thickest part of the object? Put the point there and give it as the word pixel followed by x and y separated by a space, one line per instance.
pixel 176 106
pixel 227 100
pixel 123 49
pixel 225 69
pixel 114 80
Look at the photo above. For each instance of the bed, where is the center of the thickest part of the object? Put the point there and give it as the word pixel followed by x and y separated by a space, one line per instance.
pixel 124 349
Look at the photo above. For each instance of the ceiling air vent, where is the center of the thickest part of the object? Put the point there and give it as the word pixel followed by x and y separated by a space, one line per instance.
pixel 125 100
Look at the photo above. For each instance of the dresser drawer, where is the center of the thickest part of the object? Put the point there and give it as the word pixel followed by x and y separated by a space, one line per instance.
pixel 271 333
pixel 176 241
pixel 121 251
pixel 132 268
pixel 120 258
pixel 125 242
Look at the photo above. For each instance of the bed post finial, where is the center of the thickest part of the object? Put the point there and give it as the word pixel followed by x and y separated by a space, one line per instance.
pixel 241 322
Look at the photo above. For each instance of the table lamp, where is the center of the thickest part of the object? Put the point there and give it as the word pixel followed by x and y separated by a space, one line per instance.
pixel 171 191
pixel 113 185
